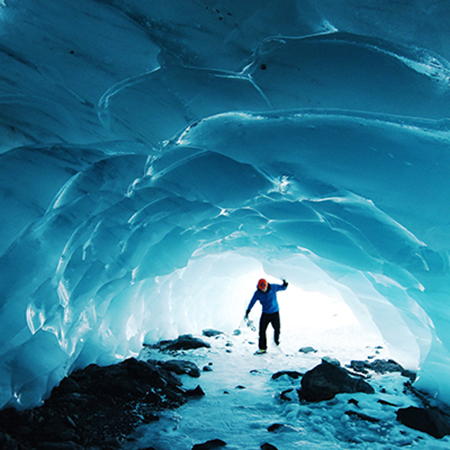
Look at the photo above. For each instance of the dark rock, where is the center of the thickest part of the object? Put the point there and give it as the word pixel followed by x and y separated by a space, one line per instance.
pixel 150 418
pixel 23 431
pixel 279 427
pixel 381 366
pixel 326 380
pixel 147 414
pixel 409 374
pixel 384 402
pixel 7 442
pixel 207 369
pixel 95 408
pixel 330 360
pixel 58 446
pixel 359 366
pixel 267 446
pixel 210 445
pixel 353 401
pixel 362 416
pixel 197 392
pixel 211 333
pixel 184 342
pixel 307 350
pixel 274 427
pixel 174 395
pixel 432 421
pixel 54 429
pixel 67 386
pixel 124 387
pixel 182 368
pixel 12 418
pixel 284 395
pixel 289 373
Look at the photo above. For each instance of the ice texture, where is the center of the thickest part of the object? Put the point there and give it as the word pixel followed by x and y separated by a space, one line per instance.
pixel 158 156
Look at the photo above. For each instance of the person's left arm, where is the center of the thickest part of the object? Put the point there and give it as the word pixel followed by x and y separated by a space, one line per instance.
pixel 280 287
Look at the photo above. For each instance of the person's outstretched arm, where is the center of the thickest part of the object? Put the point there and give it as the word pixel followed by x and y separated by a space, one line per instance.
pixel 251 304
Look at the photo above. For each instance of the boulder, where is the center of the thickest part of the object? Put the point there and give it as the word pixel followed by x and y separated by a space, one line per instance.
pixel 182 367
pixel 184 342
pixel 267 446
pixel 210 445
pixel 432 421
pixel 275 427
pixel 289 373
pixel 211 333
pixel 307 350
pixel 326 380
pixel 359 366
pixel 381 366
pixel 196 392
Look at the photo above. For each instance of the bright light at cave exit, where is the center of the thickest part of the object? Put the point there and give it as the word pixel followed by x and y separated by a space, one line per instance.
pixel 214 290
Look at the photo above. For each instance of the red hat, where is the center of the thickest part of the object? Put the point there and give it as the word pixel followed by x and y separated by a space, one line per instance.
pixel 262 284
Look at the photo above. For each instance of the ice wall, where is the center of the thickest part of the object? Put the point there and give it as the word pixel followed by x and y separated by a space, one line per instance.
pixel 156 155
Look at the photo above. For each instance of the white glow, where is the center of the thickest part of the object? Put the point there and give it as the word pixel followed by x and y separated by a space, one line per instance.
pixel 214 292
pixel 318 320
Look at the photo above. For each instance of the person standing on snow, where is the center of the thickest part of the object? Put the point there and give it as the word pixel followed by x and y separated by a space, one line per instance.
pixel 267 295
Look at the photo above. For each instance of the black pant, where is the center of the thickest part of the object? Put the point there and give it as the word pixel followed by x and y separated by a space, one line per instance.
pixel 274 319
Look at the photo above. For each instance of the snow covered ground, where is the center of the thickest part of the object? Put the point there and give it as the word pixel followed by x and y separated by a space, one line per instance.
pixel 242 400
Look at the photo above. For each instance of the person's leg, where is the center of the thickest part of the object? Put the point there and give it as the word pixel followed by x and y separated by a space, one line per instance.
pixel 263 324
pixel 276 327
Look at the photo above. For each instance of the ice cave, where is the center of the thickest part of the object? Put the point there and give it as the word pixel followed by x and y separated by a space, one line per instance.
pixel 158 157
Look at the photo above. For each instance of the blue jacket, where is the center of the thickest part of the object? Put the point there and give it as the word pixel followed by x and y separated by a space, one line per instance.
pixel 268 299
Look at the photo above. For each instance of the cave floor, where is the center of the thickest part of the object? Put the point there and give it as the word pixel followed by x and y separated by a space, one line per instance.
pixel 243 402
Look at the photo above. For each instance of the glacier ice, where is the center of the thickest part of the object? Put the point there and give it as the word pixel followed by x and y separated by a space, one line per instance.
pixel 156 158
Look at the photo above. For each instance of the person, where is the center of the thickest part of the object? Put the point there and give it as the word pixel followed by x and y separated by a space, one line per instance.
pixel 267 295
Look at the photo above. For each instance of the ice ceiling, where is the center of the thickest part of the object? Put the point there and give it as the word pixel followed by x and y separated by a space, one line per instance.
pixel 154 154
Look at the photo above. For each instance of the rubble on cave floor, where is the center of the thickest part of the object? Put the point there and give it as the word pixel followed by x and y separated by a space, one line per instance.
pixel 190 392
